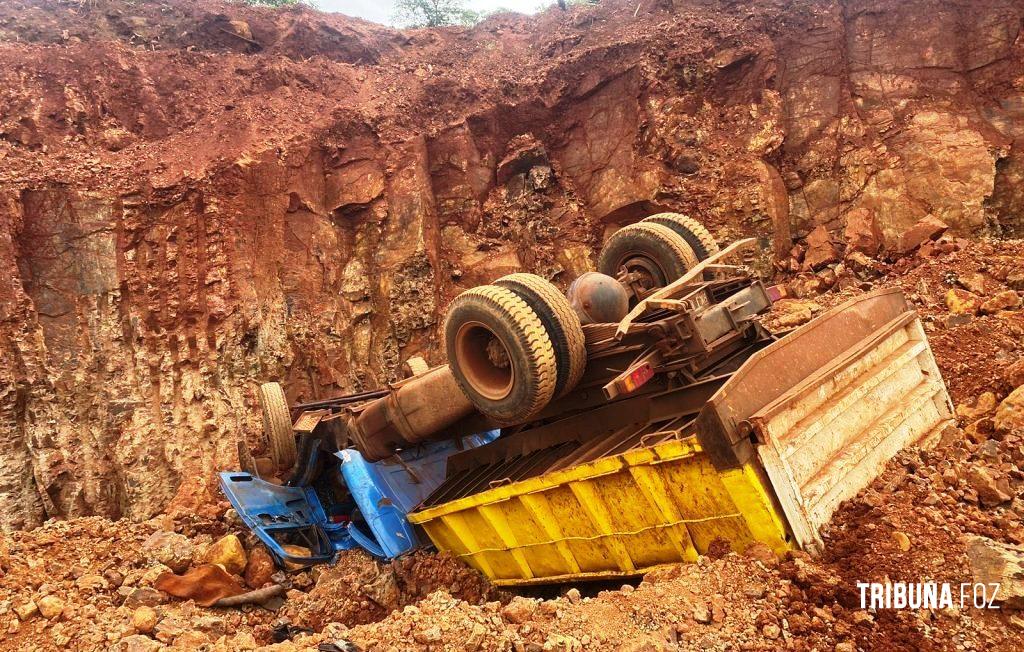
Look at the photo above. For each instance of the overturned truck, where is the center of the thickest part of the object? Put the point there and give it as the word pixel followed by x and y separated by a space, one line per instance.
pixel 625 425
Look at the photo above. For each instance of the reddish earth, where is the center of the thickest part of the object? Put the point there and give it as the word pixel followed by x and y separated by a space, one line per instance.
pixel 197 196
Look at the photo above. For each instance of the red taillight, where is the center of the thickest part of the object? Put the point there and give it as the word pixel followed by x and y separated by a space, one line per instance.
pixel 638 377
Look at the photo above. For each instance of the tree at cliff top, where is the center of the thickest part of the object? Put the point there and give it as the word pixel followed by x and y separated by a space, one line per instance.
pixel 433 13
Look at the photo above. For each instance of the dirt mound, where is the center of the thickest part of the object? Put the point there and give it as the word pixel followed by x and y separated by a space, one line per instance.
pixel 358 590
pixel 296 32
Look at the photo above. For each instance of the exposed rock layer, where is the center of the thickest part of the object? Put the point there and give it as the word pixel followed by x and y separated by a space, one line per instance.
pixel 189 205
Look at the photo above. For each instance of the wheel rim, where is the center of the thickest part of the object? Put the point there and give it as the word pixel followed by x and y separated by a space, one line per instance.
pixel 652 275
pixel 484 361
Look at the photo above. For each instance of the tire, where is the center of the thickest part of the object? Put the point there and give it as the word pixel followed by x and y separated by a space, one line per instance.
pixel 500 353
pixel 561 323
pixel 655 250
pixel 277 425
pixel 698 237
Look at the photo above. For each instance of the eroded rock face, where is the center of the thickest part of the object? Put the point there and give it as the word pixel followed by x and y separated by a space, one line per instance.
pixel 181 225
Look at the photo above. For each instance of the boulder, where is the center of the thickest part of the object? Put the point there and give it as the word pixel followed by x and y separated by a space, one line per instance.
pixel 993 562
pixel 984 406
pixel 228 553
pixel 259 569
pixel 794 312
pixel 928 228
pixel 1010 413
pixel 862 233
pixel 820 250
pixel 1005 300
pixel 991 492
pixel 962 302
pixel 1014 374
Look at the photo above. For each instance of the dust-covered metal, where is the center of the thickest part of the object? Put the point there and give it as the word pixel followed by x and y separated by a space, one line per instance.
pixel 598 299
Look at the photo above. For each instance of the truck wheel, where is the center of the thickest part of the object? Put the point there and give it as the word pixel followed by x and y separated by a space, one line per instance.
pixel 560 322
pixel 500 353
pixel 698 237
pixel 653 250
pixel 277 424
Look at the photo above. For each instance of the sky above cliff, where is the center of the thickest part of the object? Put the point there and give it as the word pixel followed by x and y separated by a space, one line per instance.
pixel 380 11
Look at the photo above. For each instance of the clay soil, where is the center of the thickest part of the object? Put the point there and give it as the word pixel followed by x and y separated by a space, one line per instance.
pixel 195 128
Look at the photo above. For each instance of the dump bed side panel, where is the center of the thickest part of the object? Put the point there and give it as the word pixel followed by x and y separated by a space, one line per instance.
pixel 830 436
pixel 618 515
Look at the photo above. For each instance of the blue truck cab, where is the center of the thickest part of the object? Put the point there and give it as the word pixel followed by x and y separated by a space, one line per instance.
pixel 342 501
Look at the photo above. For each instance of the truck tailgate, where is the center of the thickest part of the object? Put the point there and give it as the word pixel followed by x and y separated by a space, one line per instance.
pixel 870 387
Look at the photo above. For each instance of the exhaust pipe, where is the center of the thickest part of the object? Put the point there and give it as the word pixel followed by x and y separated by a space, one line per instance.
pixel 419 410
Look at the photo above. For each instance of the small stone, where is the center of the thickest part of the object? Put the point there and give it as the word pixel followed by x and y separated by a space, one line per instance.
pixel 845 646
pixel 173 550
pixel 144 596
pixel 573 595
pixel 702 614
pixel 718 608
pixel 771 631
pixel 427 636
pixel 138 643
pixel 519 610
pixel 902 540
pixel 627 588
pixel 1005 300
pixel 113 577
pixel 191 640
pixel 144 619
pixel 51 607
pixel 228 553
pixel 26 610
pixel 989 491
pixel 91 582
pixel 862 618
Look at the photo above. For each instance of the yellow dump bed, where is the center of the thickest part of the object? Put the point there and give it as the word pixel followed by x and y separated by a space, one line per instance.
pixel 802 425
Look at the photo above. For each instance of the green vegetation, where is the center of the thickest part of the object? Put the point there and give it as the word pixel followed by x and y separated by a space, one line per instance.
pixel 433 13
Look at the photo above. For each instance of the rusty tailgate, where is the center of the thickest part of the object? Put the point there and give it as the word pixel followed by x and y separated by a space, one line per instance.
pixel 827 406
